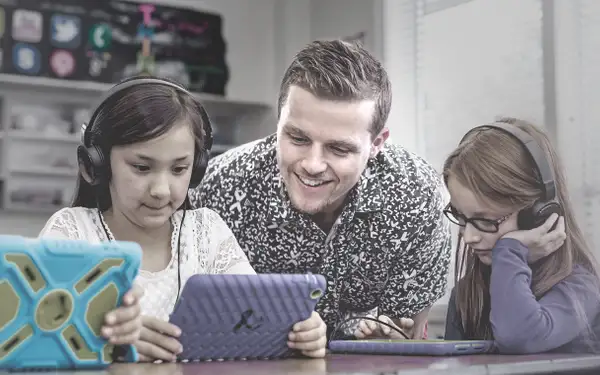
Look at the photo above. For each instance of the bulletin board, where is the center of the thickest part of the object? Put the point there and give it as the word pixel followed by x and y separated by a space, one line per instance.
pixel 106 41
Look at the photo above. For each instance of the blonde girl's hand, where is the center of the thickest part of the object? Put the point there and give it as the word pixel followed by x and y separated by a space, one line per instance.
pixel 543 240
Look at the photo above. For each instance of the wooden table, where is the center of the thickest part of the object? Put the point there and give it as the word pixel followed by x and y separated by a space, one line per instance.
pixel 370 365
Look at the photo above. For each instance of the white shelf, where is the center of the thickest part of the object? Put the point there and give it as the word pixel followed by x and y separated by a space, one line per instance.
pixel 41 137
pixel 31 208
pixel 35 83
pixel 71 138
pixel 45 171
pixel 21 169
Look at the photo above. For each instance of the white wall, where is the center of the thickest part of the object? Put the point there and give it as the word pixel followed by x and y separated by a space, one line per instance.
pixel 466 62
pixel 330 19
pixel 292 30
pixel 476 61
pixel 578 112
pixel 457 63
pixel 298 22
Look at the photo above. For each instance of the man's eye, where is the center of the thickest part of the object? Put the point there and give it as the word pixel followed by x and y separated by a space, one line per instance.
pixel 340 151
pixel 298 140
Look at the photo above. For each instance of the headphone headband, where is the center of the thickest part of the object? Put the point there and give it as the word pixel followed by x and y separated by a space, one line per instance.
pixel 140 81
pixel 534 150
pixel 93 158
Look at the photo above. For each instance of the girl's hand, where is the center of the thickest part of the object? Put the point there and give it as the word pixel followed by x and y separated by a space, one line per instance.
pixel 541 241
pixel 310 337
pixel 370 329
pixel 123 325
pixel 158 341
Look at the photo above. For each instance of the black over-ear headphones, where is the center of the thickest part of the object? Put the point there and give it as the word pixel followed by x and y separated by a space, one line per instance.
pixel 95 162
pixel 536 215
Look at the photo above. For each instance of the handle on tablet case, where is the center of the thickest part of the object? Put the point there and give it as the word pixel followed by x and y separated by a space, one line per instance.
pixel 316 293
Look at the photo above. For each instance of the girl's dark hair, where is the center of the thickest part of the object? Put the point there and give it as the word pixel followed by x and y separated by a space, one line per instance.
pixel 136 114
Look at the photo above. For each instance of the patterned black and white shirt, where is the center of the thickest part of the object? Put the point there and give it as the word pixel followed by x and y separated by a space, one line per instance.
pixel 388 252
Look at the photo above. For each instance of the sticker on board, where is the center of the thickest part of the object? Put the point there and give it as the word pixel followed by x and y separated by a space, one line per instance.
pixel 62 63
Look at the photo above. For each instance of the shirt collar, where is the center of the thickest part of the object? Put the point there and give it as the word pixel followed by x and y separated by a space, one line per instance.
pixel 370 195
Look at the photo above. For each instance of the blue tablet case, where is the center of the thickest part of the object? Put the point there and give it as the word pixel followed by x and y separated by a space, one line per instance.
pixel 412 347
pixel 227 317
pixel 54 296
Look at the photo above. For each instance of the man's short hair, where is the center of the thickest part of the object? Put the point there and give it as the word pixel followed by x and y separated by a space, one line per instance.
pixel 341 71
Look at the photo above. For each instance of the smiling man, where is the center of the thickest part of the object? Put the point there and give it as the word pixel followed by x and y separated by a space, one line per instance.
pixel 326 194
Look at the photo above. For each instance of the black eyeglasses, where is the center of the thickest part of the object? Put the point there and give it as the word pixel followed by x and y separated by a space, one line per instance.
pixel 482 224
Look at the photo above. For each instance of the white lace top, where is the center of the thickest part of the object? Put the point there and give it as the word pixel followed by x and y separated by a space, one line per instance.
pixel 207 247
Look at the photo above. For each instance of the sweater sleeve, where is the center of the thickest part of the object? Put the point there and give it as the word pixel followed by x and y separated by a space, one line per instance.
pixel 521 323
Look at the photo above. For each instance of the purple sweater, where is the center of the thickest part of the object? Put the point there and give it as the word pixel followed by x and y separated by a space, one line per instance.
pixel 522 324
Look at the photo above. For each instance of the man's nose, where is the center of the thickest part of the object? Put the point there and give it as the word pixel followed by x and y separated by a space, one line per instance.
pixel 314 163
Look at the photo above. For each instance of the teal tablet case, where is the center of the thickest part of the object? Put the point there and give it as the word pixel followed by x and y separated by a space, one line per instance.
pixel 54 295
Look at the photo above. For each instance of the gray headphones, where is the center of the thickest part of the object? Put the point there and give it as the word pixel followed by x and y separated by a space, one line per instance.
pixel 536 215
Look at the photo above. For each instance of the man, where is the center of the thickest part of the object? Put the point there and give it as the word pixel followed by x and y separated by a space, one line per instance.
pixel 327 195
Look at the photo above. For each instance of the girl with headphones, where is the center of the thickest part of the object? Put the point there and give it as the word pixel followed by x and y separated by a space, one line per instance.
pixel 145 145
pixel 524 276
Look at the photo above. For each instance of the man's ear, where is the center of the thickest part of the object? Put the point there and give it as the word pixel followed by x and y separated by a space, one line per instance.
pixel 379 142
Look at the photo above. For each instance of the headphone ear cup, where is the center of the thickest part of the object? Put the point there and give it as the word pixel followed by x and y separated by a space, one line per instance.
pixel 200 165
pixel 537 215
pixel 526 219
pixel 92 160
